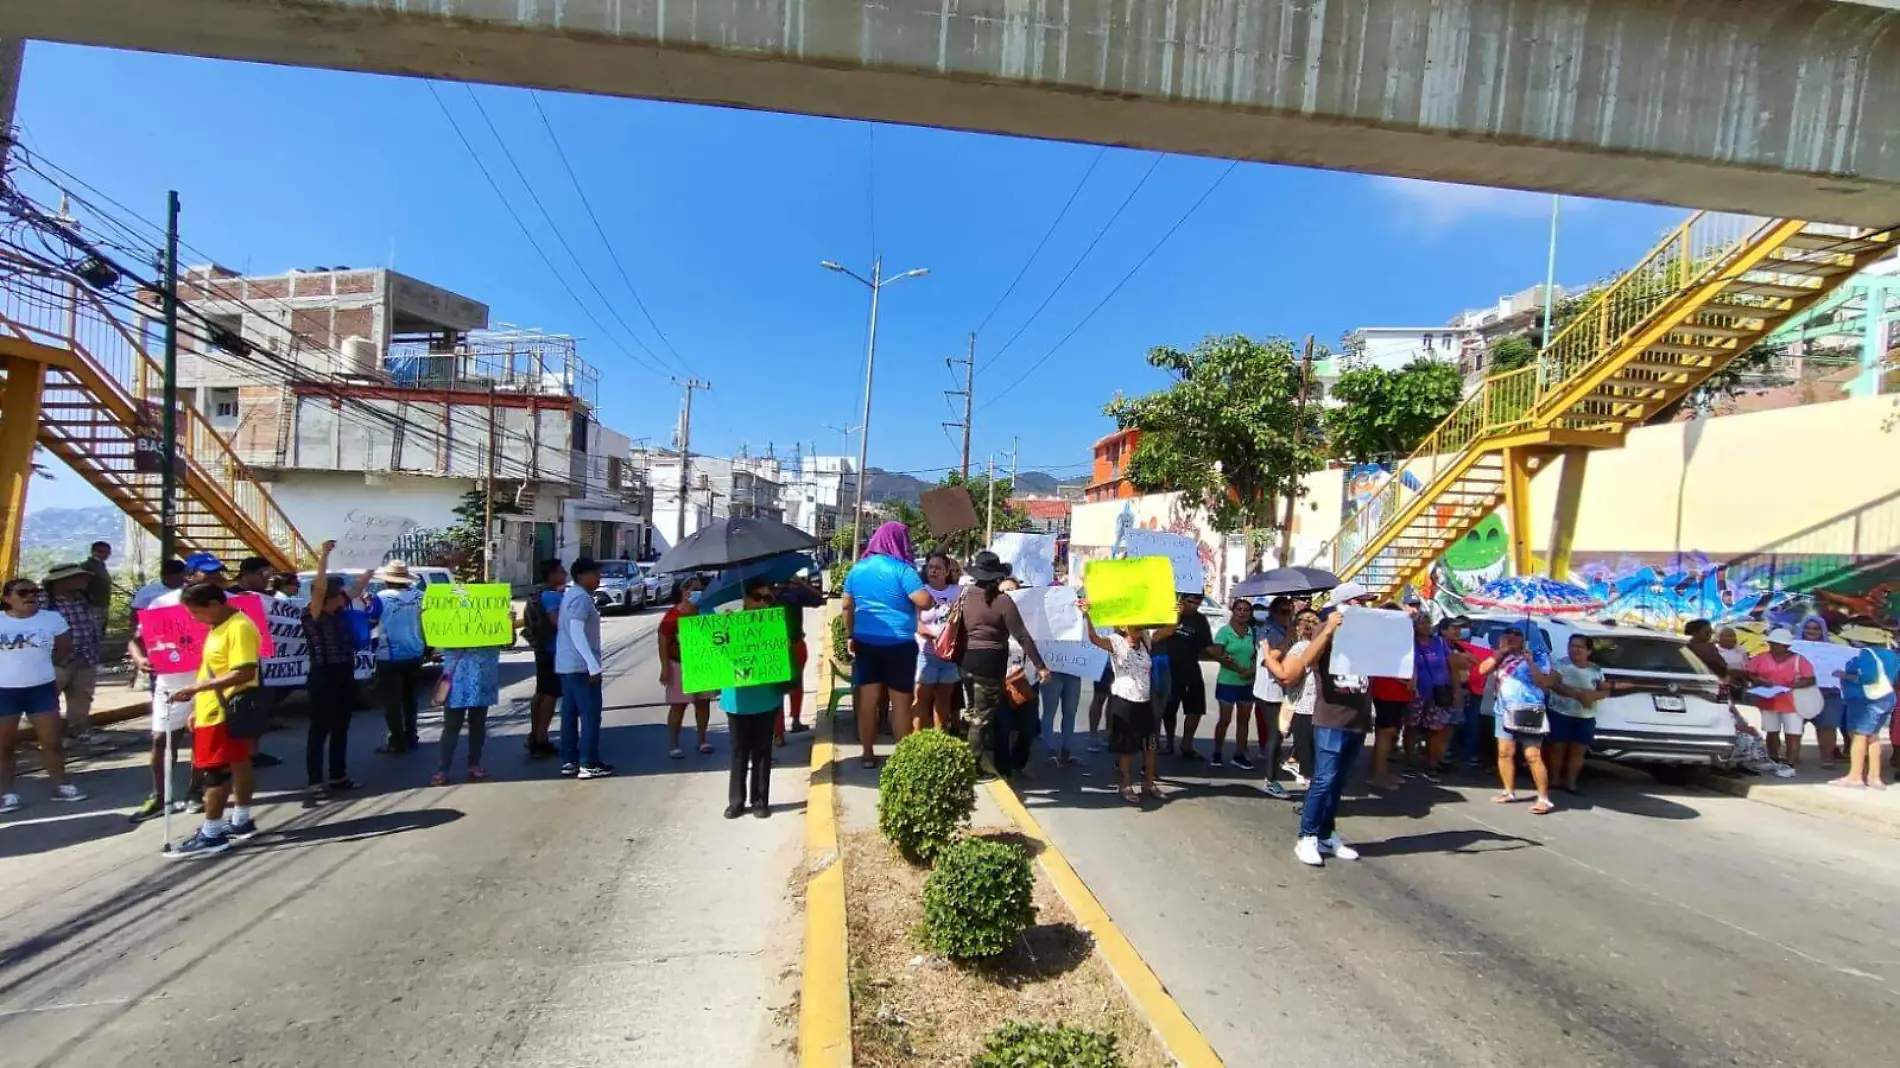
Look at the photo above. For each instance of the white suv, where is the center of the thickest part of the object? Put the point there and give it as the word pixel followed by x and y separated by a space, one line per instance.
pixel 1666 709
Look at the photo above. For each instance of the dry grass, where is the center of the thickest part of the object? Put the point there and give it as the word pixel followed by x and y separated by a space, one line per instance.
pixel 933 1013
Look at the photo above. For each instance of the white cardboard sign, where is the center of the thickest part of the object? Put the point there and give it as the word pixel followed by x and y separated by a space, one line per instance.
pixel 1031 557
pixel 365 539
pixel 1183 552
pixel 1373 642
pixel 1050 614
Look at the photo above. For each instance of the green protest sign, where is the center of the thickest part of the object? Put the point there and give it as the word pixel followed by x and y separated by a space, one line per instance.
pixel 467 617
pixel 724 649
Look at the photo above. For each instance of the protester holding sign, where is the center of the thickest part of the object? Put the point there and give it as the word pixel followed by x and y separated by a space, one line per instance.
pixel 751 711
pixel 331 684
pixel 672 671
pixel 171 723
pixel 1133 726
pixel 470 686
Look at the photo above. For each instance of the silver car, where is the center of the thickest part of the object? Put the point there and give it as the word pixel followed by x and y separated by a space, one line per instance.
pixel 622 587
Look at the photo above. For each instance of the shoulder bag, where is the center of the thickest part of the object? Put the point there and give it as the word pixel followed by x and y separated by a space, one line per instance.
pixel 954 639
pixel 1880 686
pixel 244 715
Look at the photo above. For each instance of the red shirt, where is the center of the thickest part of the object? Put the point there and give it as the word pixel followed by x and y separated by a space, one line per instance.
pixel 670 629
pixel 1384 689
pixel 1478 654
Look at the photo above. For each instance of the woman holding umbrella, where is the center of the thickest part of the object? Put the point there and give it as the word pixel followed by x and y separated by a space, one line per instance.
pixel 882 596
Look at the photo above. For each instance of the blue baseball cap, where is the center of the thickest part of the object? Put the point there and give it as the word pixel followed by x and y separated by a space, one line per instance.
pixel 203 563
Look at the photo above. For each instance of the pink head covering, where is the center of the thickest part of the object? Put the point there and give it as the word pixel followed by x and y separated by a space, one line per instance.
pixel 891 539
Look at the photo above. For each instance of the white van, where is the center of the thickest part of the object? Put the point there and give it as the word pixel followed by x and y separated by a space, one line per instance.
pixel 1666 709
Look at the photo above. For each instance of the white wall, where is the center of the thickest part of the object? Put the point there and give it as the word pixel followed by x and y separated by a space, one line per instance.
pixel 316 501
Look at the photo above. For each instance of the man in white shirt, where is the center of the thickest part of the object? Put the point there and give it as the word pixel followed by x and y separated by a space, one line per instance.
pixel 577 659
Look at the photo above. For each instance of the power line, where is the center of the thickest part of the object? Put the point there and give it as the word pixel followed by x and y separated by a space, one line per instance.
pixel 1156 247
pixel 525 232
pixel 1079 260
pixel 535 199
pixel 1046 235
pixel 609 245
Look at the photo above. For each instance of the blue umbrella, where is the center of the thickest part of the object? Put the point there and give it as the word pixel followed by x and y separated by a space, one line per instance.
pixel 1534 595
pixel 730 585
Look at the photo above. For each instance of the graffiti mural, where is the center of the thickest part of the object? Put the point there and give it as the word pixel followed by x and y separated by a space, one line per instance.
pixel 1161 512
pixel 1665 590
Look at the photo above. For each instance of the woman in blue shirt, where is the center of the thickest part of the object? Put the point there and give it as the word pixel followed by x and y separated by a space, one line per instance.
pixel 882 595
pixel 1867 697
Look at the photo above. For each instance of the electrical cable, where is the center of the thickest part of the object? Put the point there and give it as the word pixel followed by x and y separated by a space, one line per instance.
pixel 602 233
pixel 1079 260
pixel 1156 247
pixel 1046 235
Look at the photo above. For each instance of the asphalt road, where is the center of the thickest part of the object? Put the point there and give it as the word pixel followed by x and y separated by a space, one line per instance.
pixel 528 921
pixel 1646 927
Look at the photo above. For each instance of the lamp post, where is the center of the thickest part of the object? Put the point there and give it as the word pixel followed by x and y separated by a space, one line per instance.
pixel 875 284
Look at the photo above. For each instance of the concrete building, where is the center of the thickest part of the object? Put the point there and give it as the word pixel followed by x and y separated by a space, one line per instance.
pixel 1783 107
pixel 820 492
pixel 1047 515
pixel 721 487
pixel 366 390
pixel 1107 481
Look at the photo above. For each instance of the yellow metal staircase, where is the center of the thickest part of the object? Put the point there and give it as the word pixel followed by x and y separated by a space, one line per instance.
pixel 100 400
pixel 1712 288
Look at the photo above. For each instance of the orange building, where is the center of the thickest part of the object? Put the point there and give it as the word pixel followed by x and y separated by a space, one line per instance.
pixel 1112 453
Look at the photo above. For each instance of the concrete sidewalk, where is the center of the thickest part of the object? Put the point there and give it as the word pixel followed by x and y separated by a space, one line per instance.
pixel 1809 791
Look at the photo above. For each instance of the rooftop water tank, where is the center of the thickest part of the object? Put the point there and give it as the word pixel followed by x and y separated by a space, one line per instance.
pixel 360 358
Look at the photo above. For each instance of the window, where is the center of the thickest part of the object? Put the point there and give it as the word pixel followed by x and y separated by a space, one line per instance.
pixel 1428 342
pixel 615 472
pixel 221 404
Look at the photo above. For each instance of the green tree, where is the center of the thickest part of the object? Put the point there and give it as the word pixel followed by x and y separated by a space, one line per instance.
pixel 1223 432
pixel 1385 414
pixel 1509 353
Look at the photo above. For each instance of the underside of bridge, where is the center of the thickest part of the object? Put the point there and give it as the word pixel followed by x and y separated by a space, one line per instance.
pixel 1774 107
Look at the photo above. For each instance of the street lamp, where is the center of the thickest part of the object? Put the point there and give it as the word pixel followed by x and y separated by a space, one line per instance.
pixel 875 284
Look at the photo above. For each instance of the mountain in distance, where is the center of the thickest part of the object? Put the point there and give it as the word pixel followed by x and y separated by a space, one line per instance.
pixel 68 533
pixel 881 485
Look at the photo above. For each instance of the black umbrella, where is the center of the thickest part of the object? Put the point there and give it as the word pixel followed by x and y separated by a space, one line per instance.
pixel 731 542
pixel 1285 581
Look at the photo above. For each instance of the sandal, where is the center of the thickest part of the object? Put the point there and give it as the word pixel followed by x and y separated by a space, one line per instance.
pixel 477 773
pixel 868 762
pixel 1543 808
pixel 1509 797
pixel 1129 795
pixel 1151 791
pixel 440 778
pixel 1846 783
pixel 343 785
pixel 676 753
pixel 706 748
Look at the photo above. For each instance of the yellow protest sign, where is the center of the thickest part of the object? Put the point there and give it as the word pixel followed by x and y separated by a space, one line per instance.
pixel 721 649
pixel 467 617
pixel 1130 593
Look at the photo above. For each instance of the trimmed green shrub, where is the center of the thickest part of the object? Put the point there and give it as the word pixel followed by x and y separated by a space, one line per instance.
pixel 1034 1045
pixel 928 788
pixel 978 900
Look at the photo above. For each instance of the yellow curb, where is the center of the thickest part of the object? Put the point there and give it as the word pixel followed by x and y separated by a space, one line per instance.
pixel 1177 1033
pixel 824 1007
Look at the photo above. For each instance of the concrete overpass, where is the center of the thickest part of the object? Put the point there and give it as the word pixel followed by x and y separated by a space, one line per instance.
pixel 1775 107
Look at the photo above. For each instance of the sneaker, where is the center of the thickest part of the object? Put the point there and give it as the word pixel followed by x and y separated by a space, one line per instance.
pixel 1275 790
pixel 150 809
pixel 195 804
pixel 1215 761
pixel 68 792
pixel 1241 762
pixel 10 802
pixel 243 832
pixel 595 771
pixel 733 812
pixel 1306 851
pixel 265 760
pixel 1338 848
pixel 200 845
pixel 569 771
pixel 799 728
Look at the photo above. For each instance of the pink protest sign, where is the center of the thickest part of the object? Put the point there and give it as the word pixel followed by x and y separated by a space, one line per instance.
pixel 175 642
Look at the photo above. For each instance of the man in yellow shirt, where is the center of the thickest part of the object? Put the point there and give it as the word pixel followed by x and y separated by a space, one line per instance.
pixel 226 688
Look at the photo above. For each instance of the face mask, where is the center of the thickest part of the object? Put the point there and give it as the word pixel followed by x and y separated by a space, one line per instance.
pixel 1259 615
pixel 693 597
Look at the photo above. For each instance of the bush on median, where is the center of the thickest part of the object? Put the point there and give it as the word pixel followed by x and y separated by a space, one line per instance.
pixel 978 900
pixel 1034 1045
pixel 927 790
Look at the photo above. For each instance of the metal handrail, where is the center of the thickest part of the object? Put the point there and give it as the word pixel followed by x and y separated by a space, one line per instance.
pixel 1515 400
pixel 135 379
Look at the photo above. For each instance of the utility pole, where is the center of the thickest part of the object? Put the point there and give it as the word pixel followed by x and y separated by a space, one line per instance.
pixel 1014 450
pixel 168 394
pixel 686 454
pixel 989 510
pixel 1299 425
pixel 968 393
pixel 488 497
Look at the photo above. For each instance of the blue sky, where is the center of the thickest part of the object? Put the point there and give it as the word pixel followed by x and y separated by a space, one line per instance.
pixel 721 218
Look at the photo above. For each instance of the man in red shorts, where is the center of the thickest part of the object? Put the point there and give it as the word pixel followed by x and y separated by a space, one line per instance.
pixel 224 691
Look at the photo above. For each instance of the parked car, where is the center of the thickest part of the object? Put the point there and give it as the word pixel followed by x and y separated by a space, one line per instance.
pixel 622 586
pixel 1666 709
pixel 659 587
